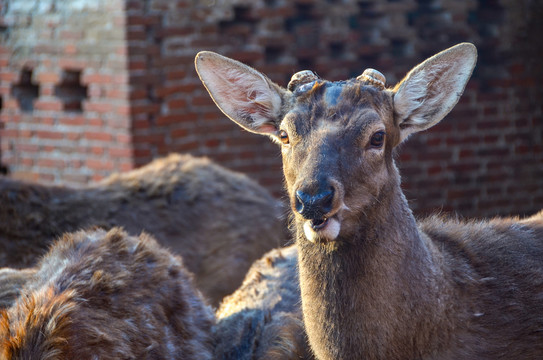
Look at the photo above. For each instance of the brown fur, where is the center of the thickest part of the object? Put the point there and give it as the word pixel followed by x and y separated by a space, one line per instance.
pixel 107 295
pixel 11 283
pixel 263 318
pixel 218 220
pixel 379 285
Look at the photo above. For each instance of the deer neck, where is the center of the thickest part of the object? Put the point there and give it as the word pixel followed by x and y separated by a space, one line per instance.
pixel 361 295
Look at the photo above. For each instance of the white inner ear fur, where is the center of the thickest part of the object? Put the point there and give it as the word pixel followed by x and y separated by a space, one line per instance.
pixel 432 89
pixel 241 92
pixel 256 100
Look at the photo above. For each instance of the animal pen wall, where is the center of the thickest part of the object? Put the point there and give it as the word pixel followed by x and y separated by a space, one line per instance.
pixel 89 87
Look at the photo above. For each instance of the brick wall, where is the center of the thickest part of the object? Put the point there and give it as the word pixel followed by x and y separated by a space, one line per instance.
pixel 64 86
pixel 485 158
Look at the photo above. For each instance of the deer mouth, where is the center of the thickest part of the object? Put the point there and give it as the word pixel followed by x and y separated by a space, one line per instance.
pixel 317 224
pixel 322 230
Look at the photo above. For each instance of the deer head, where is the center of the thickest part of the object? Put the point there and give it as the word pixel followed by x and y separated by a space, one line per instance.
pixel 337 138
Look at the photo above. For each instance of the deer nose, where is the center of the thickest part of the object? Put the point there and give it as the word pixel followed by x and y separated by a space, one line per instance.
pixel 314 206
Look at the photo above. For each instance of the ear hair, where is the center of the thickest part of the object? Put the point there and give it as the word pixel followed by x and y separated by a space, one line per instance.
pixel 431 89
pixel 243 94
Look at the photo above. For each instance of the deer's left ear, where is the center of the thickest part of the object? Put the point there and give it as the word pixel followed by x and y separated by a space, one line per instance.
pixel 431 89
pixel 243 94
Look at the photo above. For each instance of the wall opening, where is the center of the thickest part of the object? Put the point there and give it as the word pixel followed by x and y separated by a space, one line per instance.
pixel 70 91
pixel 25 91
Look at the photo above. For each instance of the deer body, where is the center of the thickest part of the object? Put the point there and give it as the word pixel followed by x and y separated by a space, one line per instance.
pixel 376 284
pixel 107 295
pixel 202 211
pixel 263 318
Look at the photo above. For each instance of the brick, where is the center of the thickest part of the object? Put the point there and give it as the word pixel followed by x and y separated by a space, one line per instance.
pixel 98 136
pixel 52 135
pixel 95 164
pixel 177 104
pixel 48 105
pixel 48 77
pixel 99 107
pixel 120 152
pixel 50 163
pixel 72 121
pixel 96 78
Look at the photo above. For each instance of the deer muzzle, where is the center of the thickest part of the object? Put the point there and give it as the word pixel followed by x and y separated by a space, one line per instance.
pixel 318 208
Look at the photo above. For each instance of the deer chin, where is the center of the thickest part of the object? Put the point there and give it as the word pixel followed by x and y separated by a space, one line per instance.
pixel 325 231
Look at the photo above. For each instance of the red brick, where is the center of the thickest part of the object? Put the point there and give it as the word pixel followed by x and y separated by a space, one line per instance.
pixel 8 76
pixel 97 122
pixel 96 78
pixel 178 133
pixel 123 138
pixel 120 152
pixel 177 104
pixel 50 163
pixel 48 77
pixel 176 75
pixel 99 136
pixel 74 136
pixel 54 135
pixel 95 164
pixel 48 105
pixel 70 49
pixel 72 121
pixel 99 107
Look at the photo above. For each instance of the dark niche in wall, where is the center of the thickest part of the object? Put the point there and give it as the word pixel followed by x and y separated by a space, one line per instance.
pixel 70 91
pixel 25 91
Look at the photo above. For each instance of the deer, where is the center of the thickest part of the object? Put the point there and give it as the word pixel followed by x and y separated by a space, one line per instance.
pixel 263 318
pixel 107 295
pixel 208 214
pixel 375 282
pixel 11 283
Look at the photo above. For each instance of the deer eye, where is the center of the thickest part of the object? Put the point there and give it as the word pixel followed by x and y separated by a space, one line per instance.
pixel 283 136
pixel 377 139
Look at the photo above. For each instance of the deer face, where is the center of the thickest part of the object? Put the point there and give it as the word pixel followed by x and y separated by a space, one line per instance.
pixel 337 137
pixel 336 156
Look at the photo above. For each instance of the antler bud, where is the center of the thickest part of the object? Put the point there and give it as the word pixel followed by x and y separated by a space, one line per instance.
pixel 300 78
pixel 373 77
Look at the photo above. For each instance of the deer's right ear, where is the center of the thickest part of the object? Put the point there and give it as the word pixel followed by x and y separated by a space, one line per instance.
pixel 243 94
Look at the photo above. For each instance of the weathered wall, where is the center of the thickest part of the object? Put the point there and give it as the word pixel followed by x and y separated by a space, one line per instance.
pixel 64 85
pixel 485 158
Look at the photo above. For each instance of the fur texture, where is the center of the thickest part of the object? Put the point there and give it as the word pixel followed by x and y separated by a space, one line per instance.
pixel 218 220
pixel 106 295
pixel 11 283
pixel 385 286
pixel 263 318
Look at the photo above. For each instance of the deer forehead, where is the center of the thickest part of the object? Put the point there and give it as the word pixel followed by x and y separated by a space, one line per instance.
pixel 338 108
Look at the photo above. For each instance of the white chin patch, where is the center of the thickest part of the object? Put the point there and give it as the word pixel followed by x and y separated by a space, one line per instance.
pixel 327 233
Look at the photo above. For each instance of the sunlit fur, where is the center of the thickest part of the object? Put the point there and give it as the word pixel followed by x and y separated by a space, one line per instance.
pixel 389 287
pixel 106 295
pixel 219 220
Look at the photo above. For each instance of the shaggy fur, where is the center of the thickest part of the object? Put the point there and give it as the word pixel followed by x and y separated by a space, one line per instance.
pixel 218 220
pixel 11 283
pixel 381 285
pixel 107 295
pixel 263 318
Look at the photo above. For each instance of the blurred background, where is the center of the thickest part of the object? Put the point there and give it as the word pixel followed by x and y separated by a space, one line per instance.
pixel 91 87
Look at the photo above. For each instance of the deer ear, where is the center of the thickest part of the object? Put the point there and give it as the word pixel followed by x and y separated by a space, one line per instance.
pixel 432 88
pixel 243 94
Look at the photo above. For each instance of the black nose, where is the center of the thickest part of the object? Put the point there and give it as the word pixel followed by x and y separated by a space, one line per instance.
pixel 314 206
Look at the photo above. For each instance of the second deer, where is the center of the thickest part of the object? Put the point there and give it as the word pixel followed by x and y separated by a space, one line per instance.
pixel 375 283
